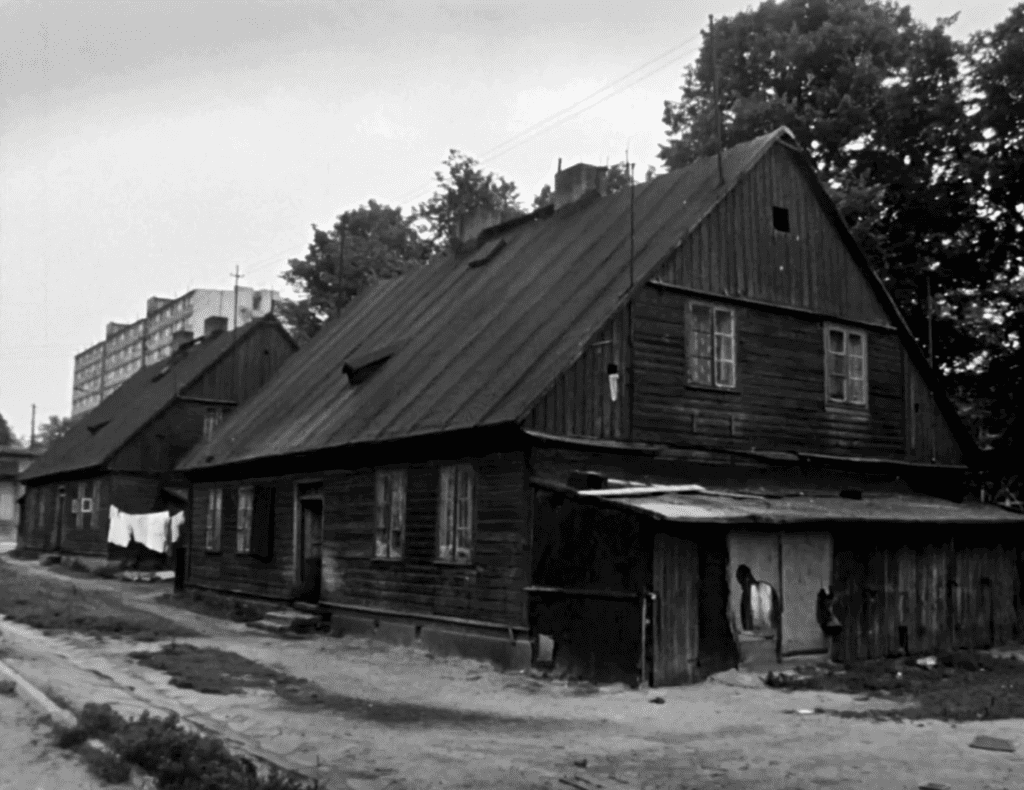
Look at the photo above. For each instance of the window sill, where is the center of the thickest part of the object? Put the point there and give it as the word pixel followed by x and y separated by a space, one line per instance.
pixel 843 406
pixel 455 564
pixel 713 388
pixel 387 560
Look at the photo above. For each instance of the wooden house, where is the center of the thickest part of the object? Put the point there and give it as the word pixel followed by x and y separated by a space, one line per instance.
pixel 123 452
pixel 589 435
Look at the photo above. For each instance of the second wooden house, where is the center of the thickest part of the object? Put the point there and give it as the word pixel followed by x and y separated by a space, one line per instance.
pixel 123 453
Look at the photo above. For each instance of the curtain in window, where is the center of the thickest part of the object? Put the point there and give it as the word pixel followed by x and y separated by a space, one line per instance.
pixel 725 348
pixel 700 360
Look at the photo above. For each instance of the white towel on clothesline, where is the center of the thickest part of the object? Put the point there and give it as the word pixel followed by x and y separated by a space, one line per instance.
pixel 119 533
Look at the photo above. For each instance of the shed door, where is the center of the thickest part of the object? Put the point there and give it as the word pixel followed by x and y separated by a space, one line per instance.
pixel 676 570
pixel 806 569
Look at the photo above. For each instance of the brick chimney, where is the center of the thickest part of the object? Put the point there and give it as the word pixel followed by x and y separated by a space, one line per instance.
pixel 476 222
pixel 179 339
pixel 578 181
pixel 215 325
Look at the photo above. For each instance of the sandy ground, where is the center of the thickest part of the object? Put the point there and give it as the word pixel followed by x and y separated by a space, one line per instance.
pixel 399 717
pixel 27 759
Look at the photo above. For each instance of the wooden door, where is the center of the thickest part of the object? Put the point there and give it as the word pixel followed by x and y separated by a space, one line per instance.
pixel 308 550
pixel 676 583
pixel 806 569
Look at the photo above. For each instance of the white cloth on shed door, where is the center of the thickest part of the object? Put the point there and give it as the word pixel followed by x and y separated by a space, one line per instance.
pixel 119 533
pixel 177 522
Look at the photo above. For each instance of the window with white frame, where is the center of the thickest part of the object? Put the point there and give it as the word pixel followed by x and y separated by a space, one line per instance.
pixel 389 522
pixel 214 507
pixel 845 366
pixel 711 357
pixel 211 421
pixel 243 533
pixel 455 514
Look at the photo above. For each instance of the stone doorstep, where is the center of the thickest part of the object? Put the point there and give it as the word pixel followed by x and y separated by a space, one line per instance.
pixel 286 620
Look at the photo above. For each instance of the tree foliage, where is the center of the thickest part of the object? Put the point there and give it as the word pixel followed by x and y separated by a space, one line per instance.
pixel 916 135
pixel 463 188
pixel 7 437
pixel 52 430
pixel 371 243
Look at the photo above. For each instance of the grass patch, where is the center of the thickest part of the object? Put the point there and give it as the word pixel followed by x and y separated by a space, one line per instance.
pixel 212 671
pixel 223 607
pixel 23 554
pixel 176 757
pixel 56 603
pixel 963 686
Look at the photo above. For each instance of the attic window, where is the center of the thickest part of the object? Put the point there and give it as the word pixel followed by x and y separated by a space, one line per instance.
pixel 361 366
pixel 485 253
pixel 780 219
pixel 95 427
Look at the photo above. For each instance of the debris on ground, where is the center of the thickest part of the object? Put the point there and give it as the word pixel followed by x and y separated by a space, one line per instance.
pixel 7 686
pixel 657 700
pixel 738 678
pixel 934 786
pixel 991 744
pixel 961 686
pixel 928 662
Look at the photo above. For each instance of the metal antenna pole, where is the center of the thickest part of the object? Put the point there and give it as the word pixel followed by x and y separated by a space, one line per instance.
pixel 718 99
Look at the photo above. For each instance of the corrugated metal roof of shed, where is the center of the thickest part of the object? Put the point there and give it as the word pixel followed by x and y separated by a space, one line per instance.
pixel 131 407
pixel 722 507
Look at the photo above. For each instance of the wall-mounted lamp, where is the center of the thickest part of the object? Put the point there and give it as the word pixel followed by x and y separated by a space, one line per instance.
pixel 613 381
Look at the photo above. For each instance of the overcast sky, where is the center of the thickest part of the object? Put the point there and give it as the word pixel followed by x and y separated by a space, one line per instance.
pixel 147 148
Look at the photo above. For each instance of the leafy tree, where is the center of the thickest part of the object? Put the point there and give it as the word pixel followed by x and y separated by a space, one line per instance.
pixel 463 188
pixel 877 100
pixel 52 430
pixel 7 436
pixel 373 242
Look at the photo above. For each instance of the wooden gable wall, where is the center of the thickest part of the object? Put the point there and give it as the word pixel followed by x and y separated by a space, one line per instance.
pixel 783 287
pixel 234 378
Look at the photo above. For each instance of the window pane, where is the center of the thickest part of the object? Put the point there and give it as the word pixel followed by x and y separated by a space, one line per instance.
pixel 837 387
pixel 725 373
pixel 700 345
pixel 856 390
pixel 836 341
pixel 445 513
pixel 382 515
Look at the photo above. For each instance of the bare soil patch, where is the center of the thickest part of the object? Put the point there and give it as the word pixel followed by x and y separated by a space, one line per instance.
pixel 223 607
pixel 58 604
pixel 961 686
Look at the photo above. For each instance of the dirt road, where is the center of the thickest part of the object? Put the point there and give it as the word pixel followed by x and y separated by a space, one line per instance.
pixel 27 759
pixel 389 717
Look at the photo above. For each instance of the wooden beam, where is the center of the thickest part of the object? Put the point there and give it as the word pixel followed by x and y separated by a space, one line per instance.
pixel 779 308
pixel 207 401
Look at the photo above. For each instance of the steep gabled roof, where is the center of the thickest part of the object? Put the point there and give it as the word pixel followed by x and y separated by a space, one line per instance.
pixel 473 341
pixel 94 438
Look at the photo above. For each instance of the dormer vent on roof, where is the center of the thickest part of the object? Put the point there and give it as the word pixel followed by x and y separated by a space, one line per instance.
pixel 577 182
pixel 360 367
pixel 476 222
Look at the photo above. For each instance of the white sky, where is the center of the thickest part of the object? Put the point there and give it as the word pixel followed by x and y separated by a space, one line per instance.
pixel 149 147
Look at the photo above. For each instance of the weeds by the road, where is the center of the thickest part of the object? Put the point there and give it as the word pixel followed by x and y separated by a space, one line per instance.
pixel 962 686
pixel 224 607
pixel 177 758
pixel 58 604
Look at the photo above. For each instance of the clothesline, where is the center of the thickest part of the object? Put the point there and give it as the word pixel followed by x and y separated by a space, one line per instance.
pixel 156 531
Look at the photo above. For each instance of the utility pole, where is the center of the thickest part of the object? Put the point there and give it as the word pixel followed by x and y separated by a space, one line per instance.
pixel 341 262
pixel 237 277
pixel 32 435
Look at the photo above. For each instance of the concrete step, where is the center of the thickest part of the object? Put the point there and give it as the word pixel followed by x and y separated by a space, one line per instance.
pixel 281 620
